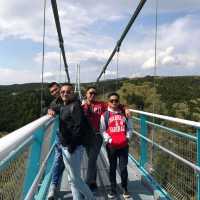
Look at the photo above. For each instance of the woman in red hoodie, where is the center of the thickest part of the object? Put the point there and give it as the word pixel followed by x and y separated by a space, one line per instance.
pixel 116 129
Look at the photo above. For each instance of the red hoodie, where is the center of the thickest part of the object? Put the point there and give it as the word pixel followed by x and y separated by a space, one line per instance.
pixel 116 129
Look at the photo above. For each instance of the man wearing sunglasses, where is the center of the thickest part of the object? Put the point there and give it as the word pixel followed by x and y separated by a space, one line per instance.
pixel 116 129
pixel 75 132
pixel 93 110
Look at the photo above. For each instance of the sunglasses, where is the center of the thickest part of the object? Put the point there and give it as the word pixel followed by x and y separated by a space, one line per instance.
pixel 114 100
pixel 92 93
pixel 65 92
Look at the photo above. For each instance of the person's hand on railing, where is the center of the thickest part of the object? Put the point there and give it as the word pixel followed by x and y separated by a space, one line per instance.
pixel 51 112
pixel 127 113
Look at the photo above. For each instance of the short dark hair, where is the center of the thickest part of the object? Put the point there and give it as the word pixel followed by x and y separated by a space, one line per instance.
pixel 113 94
pixel 52 84
pixel 67 84
pixel 90 87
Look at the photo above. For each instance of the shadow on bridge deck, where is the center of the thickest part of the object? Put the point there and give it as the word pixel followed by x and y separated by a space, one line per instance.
pixel 136 189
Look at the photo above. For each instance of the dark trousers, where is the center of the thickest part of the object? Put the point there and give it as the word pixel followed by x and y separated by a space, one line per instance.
pixel 113 156
pixel 92 154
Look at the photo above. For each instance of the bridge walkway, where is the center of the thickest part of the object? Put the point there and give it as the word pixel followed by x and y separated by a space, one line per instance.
pixel 137 190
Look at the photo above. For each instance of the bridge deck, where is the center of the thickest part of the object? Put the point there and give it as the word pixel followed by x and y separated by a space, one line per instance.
pixel 136 189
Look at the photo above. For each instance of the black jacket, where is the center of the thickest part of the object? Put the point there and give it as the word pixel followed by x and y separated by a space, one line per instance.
pixel 56 103
pixel 74 127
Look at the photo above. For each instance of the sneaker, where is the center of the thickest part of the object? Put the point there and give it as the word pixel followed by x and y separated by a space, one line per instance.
pixel 126 194
pixel 52 192
pixel 112 194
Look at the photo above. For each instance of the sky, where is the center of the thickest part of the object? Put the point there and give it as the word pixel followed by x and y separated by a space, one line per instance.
pixel 90 31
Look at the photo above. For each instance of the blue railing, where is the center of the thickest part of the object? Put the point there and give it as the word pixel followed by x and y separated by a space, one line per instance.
pixel 167 150
pixel 26 159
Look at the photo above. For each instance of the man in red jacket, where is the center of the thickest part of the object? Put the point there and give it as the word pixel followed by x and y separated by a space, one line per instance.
pixel 116 129
pixel 93 110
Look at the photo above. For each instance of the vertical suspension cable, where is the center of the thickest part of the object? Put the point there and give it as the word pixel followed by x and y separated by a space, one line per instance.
pixel 155 71
pixel 43 49
pixel 76 83
pixel 104 78
pixel 117 77
pixel 155 44
pixel 60 68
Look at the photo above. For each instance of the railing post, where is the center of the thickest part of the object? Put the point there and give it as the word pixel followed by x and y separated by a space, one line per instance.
pixel 33 164
pixel 198 163
pixel 143 144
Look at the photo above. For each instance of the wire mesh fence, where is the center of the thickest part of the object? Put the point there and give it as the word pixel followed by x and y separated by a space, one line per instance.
pixel 12 177
pixel 134 148
pixel 177 178
pixel 46 145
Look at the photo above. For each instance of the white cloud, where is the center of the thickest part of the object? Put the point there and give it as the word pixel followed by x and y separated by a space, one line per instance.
pixel 138 57
pixel 11 76
pixel 177 44
pixel 90 45
pixel 135 75
pixel 108 73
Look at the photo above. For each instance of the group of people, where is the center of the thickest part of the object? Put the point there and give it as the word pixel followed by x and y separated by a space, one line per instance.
pixel 84 126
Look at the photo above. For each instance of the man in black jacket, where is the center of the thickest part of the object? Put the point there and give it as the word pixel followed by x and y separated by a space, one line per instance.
pixel 75 132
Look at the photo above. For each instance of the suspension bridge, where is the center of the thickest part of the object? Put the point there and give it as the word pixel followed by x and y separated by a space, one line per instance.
pixel 26 155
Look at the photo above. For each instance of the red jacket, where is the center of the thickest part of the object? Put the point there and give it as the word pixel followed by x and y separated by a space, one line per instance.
pixel 93 112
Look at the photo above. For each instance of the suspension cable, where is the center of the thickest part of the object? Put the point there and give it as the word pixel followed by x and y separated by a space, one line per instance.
pixel 117 71
pixel 60 68
pixel 154 73
pixel 104 78
pixel 119 42
pixel 155 50
pixel 43 49
pixel 61 41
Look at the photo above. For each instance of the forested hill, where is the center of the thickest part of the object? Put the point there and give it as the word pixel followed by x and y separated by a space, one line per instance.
pixel 20 104
pixel 174 96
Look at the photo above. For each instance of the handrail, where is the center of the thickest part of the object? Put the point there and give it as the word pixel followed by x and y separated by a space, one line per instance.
pixel 190 164
pixel 172 119
pixel 14 139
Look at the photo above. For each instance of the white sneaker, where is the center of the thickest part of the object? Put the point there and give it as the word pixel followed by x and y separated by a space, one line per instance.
pixel 52 192
pixel 112 194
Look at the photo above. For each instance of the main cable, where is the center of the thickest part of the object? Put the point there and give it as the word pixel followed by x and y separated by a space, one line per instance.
pixel 61 41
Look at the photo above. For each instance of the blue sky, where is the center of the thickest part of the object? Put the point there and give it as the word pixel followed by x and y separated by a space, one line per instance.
pixel 90 31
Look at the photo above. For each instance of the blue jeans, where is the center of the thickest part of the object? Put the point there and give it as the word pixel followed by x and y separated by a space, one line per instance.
pixel 58 164
pixel 72 161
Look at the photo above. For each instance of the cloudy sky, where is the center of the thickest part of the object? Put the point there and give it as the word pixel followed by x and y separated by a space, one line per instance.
pixel 90 30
